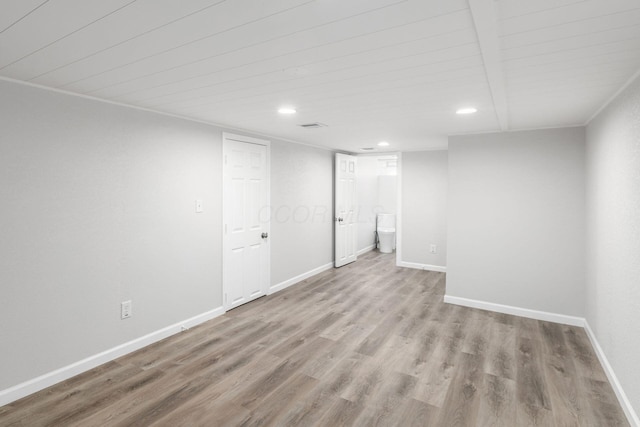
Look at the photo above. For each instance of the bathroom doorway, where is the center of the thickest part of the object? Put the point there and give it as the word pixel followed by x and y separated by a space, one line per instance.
pixel 377 194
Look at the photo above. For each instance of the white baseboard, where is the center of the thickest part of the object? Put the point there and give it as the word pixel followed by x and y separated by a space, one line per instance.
pixel 419 266
pixel 43 381
pixel 365 250
pixel 516 311
pixel 283 285
pixel 632 417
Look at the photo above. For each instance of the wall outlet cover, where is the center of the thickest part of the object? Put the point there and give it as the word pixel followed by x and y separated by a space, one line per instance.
pixel 126 309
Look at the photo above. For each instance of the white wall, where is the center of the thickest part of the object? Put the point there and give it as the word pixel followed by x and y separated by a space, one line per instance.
pixel 387 194
pixel 98 206
pixel 302 210
pixel 367 189
pixel 613 239
pixel 516 219
pixel 424 207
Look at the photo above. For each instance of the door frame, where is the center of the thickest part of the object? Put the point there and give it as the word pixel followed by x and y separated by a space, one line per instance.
pixel 399 210
pixel 227 136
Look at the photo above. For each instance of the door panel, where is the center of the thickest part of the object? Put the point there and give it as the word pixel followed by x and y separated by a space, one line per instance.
pixel 233 269
pixel 254 284
pixel 246 195
pixel 345 202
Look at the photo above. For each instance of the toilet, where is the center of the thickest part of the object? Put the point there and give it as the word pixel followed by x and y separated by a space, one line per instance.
pixel 386 229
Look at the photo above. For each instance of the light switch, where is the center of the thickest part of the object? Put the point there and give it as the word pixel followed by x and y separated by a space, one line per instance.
pixel 198 206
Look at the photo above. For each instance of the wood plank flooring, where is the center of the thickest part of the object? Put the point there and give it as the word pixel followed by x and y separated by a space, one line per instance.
pixel 369 344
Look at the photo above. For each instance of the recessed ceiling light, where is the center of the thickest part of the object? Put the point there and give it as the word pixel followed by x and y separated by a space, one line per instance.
pixel 383 144
pixel 286 110
pixel 468 110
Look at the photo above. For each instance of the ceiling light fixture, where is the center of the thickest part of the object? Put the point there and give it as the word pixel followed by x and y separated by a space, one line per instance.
pixel 383 144
pixel 286 110
pixel 468 110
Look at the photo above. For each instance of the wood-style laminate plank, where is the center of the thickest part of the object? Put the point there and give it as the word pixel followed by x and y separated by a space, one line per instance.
pixel 381 407
pixel 497 402
pixel 462 402
pixel 414 413
pixel 277 404
pixel 341 413
pixel 416 359
pixel 501 354
pixel 434 381
pixel 566 401
pixel 532 397
pixel 367 344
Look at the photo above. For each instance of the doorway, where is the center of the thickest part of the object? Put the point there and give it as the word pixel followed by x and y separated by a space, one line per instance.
pixel 378 184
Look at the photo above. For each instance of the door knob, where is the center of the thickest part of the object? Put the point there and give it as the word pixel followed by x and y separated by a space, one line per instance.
pixel 265 235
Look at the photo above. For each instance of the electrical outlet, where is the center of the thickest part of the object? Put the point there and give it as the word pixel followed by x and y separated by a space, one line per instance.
pixel 125 309
pixel 434 249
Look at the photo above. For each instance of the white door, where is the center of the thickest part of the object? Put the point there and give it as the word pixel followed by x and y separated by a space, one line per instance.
pixel 345 219
pixel 246 219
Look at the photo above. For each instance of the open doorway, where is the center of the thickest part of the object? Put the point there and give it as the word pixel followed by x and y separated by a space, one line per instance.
pixel 377 195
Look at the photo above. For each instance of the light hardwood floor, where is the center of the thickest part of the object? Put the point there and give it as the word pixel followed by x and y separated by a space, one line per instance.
pixel 367 344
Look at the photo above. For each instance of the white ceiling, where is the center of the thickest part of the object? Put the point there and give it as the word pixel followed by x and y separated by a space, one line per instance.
pixel 371 70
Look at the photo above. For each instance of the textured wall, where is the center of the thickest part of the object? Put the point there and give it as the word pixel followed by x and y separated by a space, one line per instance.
pixel 516 219
pixel 424 207
pixel 98 207
pixel 302 209
pixel 367 200
pixel 613 243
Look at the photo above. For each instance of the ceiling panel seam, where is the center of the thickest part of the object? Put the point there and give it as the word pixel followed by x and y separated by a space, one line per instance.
pixel 24 16
pixel 484 18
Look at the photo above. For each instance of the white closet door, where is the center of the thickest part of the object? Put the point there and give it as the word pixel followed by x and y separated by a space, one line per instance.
pixel 345 220
pixel 246 226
